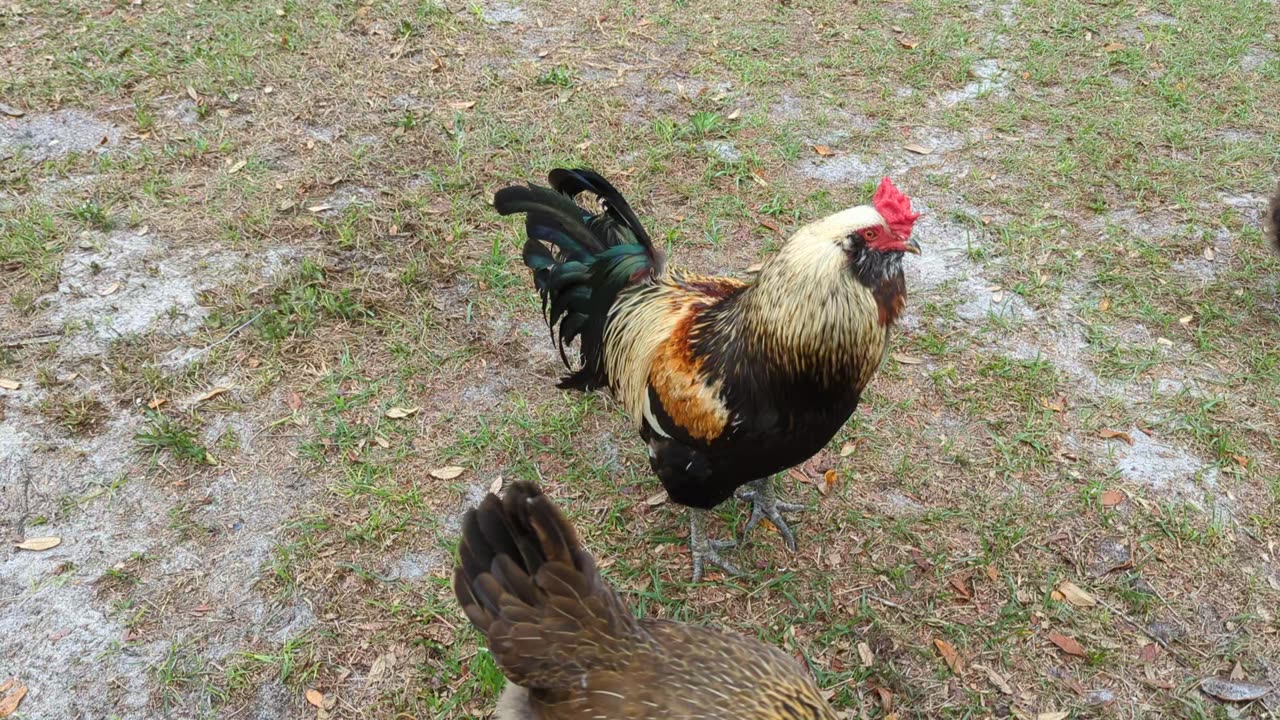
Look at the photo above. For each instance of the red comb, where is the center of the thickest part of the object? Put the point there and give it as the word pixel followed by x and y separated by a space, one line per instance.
pixel 895 208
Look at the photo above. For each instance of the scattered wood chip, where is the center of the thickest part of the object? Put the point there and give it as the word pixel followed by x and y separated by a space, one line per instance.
pixel 823 150
pixel 1108 434
pixel 396 413
pixel 737 113
pixel 1111 498
pixel 315 697
pixel 9 384
pixel 1075 595
pixel 1066 644
pixel 865 655
pixel 1233 690
pixel 907 359
pixel 917 149
pixel 950 655
pixel 448 472
pixel 237 167
pixel 1164 341
pixel 39 543
pixel 212 393
pixel 1186 320
pixel 9 705
pixel 1112 47
pixel 1210 254
pixel 996 679
pixel 656 499
pixel 155 403
pixel 320 208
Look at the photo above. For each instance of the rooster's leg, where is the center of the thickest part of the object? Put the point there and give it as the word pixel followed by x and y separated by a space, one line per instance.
pixel 764 504
pixel 705 549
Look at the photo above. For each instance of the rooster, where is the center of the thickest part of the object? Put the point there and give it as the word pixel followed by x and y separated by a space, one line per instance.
pixel 729 381
pixel 572 650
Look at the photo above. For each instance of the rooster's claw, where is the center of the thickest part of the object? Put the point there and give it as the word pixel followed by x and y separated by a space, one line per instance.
pixel 705 549
pixel 766 505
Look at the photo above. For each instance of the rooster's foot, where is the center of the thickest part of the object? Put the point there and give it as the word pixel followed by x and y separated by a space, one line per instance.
pixel 706 550
pixel 766 505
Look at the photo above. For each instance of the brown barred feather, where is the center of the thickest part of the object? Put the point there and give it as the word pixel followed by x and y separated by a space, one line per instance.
pixel 573 651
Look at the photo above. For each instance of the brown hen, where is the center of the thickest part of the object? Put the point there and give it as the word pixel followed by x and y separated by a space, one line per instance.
pixel 572 650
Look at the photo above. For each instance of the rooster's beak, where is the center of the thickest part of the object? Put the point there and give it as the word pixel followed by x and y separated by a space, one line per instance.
pixel 913 247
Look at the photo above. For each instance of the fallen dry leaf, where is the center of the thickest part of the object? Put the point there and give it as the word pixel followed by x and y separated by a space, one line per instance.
pixel 447 473
pixel 381 442
pixel 886 699
pixel 462 105
pixel 1104 304
pixel 293 400
pixel 960 583
pixel 823 150
pixel 4 687
pixel 865 655
pixel 908 43
pixel 1113 47
pixel 10 703
pixel 1066 644
pixel 1108 433
pixel 917 149
pixel 191 93
pixel 155 403
pixel 829 479
pixel 1075 595
pixel 237 167
pixel 755 267
pixel 11 111
pixel 1111 498
pixel 949 654
pixel 907 359
pixel 39 543
pixel 320 208
pixel 1149 653
pixel 737 113
pixel 847 449
pixel 1233 691
pixel 495 487
pixel 212 393
pixel 9 384
pixel 996 679
pixel 315 697
pixel 109 290
pixel 1059 715
pixel 396 413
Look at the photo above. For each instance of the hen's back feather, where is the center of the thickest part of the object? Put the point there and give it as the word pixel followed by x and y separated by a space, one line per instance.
pixel 572 649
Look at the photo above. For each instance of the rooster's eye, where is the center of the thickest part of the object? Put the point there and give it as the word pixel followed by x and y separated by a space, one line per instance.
pixel 870 234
